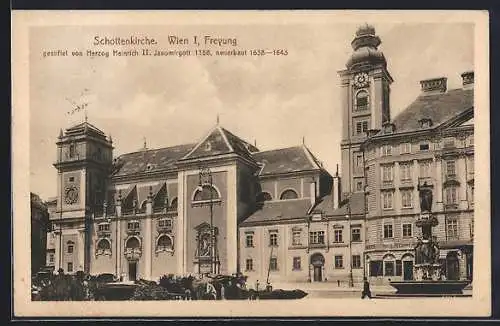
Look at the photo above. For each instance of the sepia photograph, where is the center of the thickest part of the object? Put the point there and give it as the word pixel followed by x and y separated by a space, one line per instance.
pixel 275 163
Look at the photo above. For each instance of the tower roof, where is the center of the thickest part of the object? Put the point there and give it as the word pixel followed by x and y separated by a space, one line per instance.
pixel 365 46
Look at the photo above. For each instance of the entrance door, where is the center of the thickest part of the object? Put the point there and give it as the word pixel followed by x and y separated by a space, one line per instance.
pixel 317 274
pixel 407 270
pixel 452 267
pixel 132 271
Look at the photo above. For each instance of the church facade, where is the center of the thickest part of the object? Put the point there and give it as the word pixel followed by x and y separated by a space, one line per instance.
pixel 222 206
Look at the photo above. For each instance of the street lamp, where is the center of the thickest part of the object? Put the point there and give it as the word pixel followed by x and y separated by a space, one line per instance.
pixel 206 178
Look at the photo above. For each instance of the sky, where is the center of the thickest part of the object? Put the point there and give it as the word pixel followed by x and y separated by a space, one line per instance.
pixel 273 101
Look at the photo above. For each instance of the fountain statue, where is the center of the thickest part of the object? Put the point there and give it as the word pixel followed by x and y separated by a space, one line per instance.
pixel 427 275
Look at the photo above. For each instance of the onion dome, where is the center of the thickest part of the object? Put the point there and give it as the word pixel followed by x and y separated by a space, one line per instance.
pixel 365 46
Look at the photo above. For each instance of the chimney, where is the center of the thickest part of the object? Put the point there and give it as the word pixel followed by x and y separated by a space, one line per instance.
pixel 468 79
pixel 336 191
pixel 433 86
pixel 312 188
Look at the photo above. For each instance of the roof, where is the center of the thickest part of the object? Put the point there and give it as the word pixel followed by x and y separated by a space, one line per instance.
pixel 440 108
pixel 219 141
pixel 284 160
pixel 280 210
pixel 356 203
pixel 84 126
pixel 158 159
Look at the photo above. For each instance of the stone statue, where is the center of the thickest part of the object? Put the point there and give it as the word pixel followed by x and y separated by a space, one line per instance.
pixel 425 193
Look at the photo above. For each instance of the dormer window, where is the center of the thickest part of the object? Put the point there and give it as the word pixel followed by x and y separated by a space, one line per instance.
pixel 389 128
pixel 425 123
pixel 208 146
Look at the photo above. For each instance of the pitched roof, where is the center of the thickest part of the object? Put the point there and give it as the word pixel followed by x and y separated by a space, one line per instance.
pixel 439 108
pixel 280 210
pixel 291 159
pixel 220 141
pixel 159 159
pixel 356 202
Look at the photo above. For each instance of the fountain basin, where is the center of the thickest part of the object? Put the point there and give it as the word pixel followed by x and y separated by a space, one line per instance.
pixel 447 287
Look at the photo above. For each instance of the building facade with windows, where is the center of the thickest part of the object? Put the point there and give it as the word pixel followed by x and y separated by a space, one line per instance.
pixel 216 206
pixel 431 142
pixel 39 225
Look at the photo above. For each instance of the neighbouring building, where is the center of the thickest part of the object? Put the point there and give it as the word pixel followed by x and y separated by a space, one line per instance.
pixel 430 142
pixel 39 224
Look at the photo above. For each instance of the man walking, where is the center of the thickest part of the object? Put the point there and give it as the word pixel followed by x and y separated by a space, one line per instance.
pixel 366 289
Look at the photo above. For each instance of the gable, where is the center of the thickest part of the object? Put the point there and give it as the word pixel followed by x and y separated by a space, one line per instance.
pixel 214 144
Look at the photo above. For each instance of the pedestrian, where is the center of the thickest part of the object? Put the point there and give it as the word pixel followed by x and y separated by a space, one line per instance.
pixel 366 289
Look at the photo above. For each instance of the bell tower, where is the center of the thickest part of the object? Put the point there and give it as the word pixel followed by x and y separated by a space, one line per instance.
pixel 84 158
pixel 365 93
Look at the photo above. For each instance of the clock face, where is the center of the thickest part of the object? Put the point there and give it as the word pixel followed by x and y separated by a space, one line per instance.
pixel 71 195
pixel 361 79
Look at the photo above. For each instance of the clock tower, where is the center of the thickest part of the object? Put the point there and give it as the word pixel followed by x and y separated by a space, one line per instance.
pixel 84 158
pixel 365 92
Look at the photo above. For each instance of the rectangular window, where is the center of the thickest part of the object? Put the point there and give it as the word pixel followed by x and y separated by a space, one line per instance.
pixel 450 168
pixel 388 268
pixel 296 235
pixel 452 229
pixel 164 223
pixel 361 127
pixel 273 239
pixel 387 173
pixel 405 171
pixel 376 268
pixel 356 235
pixel 406 198
pixel 317 237
pixel 133 225
pixel 387 200
pixel 70 249
pixel 70 267
pixel 249 240
pixel 451 195
pixel 399 268
pixel 407 230
pixel 405 148
pixel 51 258
pixel 356 261
pixel 365 126
pixel 249 264
pixel 296 263
pixel 359 186
pixel 103 227
pixel 337 235
pixel 388 231
pixel 71 179
pixel 273 264
pixel 424 146
pixel 386 150
pixel 425 169
pixel 339 261
pixel 358 161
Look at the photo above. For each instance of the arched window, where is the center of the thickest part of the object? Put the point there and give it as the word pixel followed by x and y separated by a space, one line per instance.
pixel 173 204
pixel 133 243
pixel 288 194
pixel 143 206
pixel 362 100
pixel 264 196
pixel 72 150
pixel 206 192
pixel 164 243
pixel 103 247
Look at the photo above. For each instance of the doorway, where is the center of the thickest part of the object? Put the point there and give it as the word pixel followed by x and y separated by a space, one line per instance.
pixel 132 271
pixel 452 266
pixel 407 270
pixel 318 277
pixel 317 262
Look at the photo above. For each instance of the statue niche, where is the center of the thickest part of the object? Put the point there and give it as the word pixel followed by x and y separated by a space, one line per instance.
pixel 425 194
